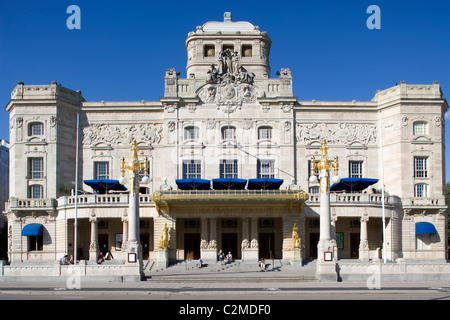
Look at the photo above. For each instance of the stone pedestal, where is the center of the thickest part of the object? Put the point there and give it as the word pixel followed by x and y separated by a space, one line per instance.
pixel 250 255
pixel 209 255
pixel 163 258
pixel 327 260
pixel 296 260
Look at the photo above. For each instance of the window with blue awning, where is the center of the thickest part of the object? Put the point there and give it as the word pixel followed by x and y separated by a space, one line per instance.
pixel 425 228
pixel 32 230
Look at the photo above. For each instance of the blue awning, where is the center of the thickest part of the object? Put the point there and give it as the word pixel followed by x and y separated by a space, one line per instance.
pixel 193 184
pixel 353 184
pixel 229 184
pixel 425 228
pixel 32 230
pixel 104 185
pixel 264 184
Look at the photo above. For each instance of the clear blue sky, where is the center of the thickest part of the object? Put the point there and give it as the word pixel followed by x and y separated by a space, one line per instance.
pixel 124 47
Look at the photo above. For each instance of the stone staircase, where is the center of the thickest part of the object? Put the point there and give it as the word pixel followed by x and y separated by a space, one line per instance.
pixel 239 271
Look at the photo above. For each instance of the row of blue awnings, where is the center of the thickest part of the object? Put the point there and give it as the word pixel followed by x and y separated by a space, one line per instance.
pixel 229 184
pixel 346 184
pixel 37 229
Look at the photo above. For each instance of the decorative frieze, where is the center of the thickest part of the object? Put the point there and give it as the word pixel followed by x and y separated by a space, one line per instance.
pixel 122 134
pixel 341 133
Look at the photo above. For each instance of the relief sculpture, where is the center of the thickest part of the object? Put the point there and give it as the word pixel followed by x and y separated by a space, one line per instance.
pixel 116 134
pixel 342 133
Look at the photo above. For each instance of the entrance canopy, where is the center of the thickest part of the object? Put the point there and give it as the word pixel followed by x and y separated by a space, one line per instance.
pixel 193 184
pixel 353 184
pixel 425 228
pixel 105 185
pixel 32 230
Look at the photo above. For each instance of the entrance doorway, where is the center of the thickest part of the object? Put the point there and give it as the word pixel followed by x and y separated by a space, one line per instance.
pixel 267 245
pixel 354 245
pixel 145 243
pixel 313 242
pixel 191 246
pixel 229 244
pixel 103 245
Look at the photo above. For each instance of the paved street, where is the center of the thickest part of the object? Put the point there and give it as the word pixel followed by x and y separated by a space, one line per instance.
pixel 224 289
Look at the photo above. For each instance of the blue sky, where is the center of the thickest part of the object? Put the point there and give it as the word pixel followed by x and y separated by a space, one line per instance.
pixel 124 47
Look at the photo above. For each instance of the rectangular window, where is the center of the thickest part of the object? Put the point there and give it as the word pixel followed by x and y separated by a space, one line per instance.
pixel 314 190
pixel 101 170
pixel 209 51
pixel 36 129
pixel 192 169
pixel 36 168
pixel 246 51
pixel 35 243
pixel 36 192
pixel 228 169
pixel 421 190
pixel 420 128
pixel 266 169
pixel 355 169
pixel 423 241
pixel 420 167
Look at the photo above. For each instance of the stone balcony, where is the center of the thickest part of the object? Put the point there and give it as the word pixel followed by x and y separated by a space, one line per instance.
pixel 46 204
pixel 357 199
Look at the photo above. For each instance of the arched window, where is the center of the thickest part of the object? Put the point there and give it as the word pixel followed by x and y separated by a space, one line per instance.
pixel 228 133
pixel 265 133
pixel 420 128
pixel 191 133
pixel 36 191
pixel 36 129
pixel 421 190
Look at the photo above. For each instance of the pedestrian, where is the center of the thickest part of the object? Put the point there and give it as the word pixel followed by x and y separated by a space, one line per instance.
pixel 229 257
pixel 200 263
pixel 101 258
pixel 262 264
pixel 221 257
pixel 64 260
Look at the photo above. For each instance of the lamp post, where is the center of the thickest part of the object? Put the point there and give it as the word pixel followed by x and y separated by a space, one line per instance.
pixel 327 248
pixel 133 248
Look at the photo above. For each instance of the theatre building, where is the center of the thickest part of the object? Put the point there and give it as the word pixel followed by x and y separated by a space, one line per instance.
pixel 229 151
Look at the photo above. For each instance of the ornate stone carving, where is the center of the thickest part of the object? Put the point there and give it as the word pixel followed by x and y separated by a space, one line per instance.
pixel 125 134
pixel 342 133
pixel 230 84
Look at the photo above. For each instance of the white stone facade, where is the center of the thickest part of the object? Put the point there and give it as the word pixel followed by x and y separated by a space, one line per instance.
pixel 227 110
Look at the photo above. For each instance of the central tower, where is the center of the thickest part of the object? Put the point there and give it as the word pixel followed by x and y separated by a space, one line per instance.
pixel 244 41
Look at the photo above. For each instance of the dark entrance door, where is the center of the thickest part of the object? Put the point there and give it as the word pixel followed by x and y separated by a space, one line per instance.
pixel 354 245
pixel 191 246
pixel 229 244
pixel 267 245
pixel 103 245
pixel 313 242
pixel 145 243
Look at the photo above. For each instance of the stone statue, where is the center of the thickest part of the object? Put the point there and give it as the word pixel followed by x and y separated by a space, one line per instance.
pixel 164 241
pixel 296 241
